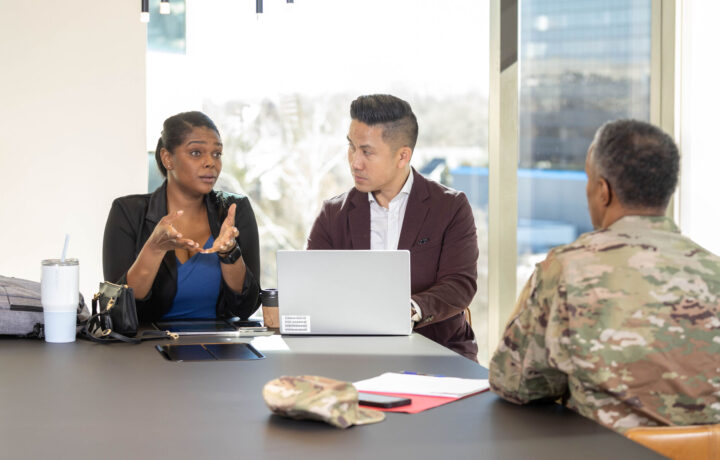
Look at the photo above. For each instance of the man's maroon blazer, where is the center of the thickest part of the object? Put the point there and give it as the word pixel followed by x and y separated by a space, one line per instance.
pixel 439 231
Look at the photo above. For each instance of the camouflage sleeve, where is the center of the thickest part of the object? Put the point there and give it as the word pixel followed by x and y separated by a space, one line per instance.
pixel 521 369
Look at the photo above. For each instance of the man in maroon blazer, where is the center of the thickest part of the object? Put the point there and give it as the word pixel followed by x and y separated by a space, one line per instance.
pixel 394 207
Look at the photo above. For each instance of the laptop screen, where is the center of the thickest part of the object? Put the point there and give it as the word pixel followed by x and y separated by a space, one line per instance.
pixel 345 292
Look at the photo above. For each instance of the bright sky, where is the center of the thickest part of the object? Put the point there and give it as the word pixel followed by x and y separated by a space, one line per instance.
pixel 316 47
pixel 338 45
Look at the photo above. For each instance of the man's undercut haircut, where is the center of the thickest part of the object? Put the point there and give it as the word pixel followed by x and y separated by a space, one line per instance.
pixel 400 127
pixel 639 161
pixel 176 129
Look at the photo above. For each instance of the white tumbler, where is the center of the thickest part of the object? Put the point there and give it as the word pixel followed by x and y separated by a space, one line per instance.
pixel 59 295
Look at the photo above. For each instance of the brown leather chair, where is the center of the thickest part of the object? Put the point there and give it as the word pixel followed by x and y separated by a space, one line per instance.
pixel 695 442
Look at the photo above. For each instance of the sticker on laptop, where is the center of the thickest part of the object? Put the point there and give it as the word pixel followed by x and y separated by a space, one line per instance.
pixel 296 324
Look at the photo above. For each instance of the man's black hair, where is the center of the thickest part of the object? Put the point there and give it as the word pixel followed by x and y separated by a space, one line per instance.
pixel 639 160
pixel 400 126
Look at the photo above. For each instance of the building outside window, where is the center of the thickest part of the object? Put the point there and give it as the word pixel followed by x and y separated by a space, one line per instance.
pixel 582 63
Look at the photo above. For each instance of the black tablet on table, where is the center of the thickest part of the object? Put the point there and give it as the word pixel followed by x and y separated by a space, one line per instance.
pixel 206 326
pixel 194 325
pixel 209 352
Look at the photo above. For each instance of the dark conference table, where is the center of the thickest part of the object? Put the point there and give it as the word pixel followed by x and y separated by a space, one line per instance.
pixel 86 400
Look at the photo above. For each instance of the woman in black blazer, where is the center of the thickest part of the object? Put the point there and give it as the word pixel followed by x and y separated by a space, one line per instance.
pixel 187 250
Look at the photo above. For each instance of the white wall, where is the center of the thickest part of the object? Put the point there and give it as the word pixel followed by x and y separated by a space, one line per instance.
pixel 72 128
pixel 698 103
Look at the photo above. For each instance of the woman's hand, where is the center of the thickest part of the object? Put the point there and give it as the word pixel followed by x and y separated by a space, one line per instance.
pixel 225 241
pixel 166 238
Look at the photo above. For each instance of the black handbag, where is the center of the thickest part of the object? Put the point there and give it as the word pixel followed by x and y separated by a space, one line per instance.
pixel 114 317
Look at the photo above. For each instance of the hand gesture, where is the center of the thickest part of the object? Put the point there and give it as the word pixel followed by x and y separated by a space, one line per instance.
pixel 166 238
pixel 225 240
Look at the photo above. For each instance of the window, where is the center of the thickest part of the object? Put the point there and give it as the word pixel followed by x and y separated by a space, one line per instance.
pixel 279 87
pixel 697 141
pixel 582 63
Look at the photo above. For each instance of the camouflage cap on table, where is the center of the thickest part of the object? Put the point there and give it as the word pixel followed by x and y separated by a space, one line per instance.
pixel 318 398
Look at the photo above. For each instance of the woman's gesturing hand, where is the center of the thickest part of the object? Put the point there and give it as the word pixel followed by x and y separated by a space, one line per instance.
pixel 166 238
pixel 226 238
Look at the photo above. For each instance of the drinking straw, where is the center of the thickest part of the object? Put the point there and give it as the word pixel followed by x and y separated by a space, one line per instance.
pixel 65 246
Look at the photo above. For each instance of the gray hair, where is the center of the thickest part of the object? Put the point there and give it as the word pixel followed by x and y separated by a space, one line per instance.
pixel 640 162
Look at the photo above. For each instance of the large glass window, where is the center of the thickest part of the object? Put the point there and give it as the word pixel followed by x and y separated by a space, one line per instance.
pixel 279 86
pixel 582 63
pixel 700 91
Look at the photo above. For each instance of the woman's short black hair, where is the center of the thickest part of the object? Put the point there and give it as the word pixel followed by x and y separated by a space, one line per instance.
pixel 639 160
pixel 176 129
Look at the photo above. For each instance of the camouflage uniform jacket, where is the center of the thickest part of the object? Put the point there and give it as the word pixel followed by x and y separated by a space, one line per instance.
pixel 624 323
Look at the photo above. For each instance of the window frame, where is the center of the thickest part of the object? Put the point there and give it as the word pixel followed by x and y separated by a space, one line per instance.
pixel 503 141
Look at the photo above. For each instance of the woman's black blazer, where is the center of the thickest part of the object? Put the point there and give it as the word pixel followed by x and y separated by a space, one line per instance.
pixel 131 221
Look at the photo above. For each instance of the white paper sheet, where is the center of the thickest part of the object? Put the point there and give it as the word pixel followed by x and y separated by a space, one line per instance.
pixel 391 382
pixel 270 343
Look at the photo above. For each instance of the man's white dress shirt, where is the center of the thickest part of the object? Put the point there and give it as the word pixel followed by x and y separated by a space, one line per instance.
pixel 386 225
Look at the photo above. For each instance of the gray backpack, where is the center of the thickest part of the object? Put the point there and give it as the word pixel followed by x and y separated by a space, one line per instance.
pixel 21 312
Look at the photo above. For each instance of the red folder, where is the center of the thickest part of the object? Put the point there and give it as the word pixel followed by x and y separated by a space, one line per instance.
pixel 418 403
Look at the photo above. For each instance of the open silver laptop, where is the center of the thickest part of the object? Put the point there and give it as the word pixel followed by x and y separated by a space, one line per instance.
pixel 353 292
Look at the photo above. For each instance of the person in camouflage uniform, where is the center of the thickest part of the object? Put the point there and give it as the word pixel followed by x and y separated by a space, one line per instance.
pixel 623 323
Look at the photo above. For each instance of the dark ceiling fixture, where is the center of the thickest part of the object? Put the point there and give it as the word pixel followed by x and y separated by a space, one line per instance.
pixel 165 8
pixel 144 10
